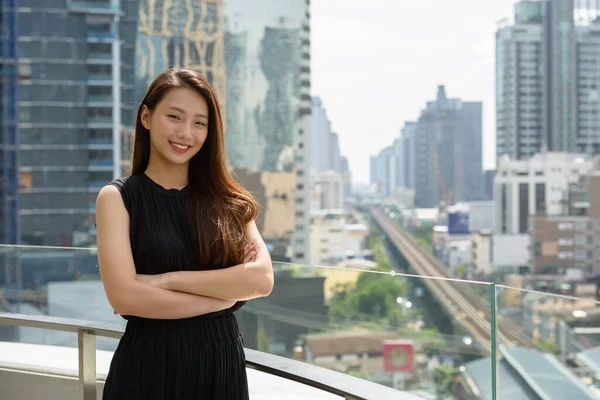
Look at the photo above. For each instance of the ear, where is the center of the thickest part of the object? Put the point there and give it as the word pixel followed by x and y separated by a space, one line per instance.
pixel 145 117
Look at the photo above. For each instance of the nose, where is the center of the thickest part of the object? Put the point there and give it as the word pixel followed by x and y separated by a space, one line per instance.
pixel 184 133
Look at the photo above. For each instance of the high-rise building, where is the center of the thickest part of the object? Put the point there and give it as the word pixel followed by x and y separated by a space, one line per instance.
pixel 179 33
pixel 320 137
pixel 383 171
pixel 408 155
pixel 538 186
pixel 547 66
pixel 448 152
pixel 257 57
pixel 73 81
pixel 9 164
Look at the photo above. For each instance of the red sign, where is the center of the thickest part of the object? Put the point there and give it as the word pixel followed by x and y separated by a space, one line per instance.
pixel 398 355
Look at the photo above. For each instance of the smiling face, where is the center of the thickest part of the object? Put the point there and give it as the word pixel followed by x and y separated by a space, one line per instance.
pixel 178 126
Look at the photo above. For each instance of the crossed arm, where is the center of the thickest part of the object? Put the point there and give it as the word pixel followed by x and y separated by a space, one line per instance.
pixel 172 295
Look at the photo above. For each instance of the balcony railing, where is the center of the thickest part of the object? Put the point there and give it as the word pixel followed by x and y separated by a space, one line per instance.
pixel 376 322
pixel 329 381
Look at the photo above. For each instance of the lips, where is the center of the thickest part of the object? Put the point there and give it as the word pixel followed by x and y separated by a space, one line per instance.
pixel 179 147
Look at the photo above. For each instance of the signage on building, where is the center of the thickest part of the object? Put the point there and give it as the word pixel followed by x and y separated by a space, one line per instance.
pixel 458 223
pixel 398 355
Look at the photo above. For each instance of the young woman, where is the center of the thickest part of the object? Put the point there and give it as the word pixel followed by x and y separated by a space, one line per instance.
pixel 179 252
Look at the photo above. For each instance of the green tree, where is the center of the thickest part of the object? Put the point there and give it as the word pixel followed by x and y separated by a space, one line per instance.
pixel 443 378
pixel 461 270
pixel 372 299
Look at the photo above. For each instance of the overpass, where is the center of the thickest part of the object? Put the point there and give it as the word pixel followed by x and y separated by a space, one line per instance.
pixel 457 297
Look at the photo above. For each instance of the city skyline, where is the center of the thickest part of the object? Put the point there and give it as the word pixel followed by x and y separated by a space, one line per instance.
pixel 356 38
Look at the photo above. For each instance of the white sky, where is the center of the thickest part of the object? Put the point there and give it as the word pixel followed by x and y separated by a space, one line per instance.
pixel 375 64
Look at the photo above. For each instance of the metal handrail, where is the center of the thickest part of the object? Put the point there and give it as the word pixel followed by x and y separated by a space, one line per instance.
pixel 347 386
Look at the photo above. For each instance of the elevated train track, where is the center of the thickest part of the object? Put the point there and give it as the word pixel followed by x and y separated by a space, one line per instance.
pixel 459 300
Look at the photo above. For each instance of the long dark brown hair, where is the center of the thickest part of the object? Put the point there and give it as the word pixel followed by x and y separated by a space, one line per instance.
pixel 219 205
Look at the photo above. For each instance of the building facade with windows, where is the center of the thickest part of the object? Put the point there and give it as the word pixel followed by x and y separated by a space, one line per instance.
pixel 570 245
pixel 538 186
pixel 71 69
pixel 547 72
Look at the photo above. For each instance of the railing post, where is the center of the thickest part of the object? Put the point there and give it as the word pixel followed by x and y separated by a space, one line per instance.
pixel 87 364
pixel 494 339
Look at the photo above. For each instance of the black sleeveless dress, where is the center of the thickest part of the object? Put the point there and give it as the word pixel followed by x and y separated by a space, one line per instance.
pixel 185 359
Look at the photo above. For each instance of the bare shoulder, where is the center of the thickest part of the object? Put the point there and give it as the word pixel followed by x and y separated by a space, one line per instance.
pixel 109 199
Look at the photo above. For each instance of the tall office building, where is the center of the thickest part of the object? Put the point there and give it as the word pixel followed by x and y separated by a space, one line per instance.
pixel 9 164
pixel 320 137
pixel 67 73
pixel 383 171
pixel 448 152
pixel 267 49
pixel 408 154
pixel 547 73
pixel 180 33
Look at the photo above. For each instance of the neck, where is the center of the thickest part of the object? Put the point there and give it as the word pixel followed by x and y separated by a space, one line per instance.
pixel 168 175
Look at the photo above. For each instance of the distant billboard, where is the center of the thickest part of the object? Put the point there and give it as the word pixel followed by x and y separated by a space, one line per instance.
pixel 398 355
pixel 458 223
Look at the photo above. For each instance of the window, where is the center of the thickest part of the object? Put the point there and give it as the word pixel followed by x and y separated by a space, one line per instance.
pixel 24 115
pixel 565 242
pixel 299 241
pixel 580 225
pixel 540 198
pixel 25 180
pixel 565 255
pixel 580 240
pixel 299 255
pixel 579 254
pixel 565 226
pixel 299 214
pixel 523 207
pixel 24 70
pixel 503 205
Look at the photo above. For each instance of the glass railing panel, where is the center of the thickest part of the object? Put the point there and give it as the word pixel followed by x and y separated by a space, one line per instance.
pixel 53 281
pixel 383 326
pixel 549 340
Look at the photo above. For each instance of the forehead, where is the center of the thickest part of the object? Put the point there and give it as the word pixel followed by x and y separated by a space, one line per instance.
pixel 189 100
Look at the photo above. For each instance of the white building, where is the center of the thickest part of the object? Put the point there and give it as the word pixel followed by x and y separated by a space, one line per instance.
pixel 458 253
pixel 538 185
pixel 334 238
pixel 481 251
pixel 327 191
pixel 302 144
pixel 481 215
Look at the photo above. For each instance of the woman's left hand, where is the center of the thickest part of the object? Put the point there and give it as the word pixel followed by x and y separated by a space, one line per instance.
pixel 154 280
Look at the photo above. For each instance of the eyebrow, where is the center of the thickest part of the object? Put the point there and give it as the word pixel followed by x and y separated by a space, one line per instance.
pixel 183 112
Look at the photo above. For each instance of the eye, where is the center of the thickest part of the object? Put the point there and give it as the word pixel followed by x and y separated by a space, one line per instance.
pixel 174 117
pixel 200 123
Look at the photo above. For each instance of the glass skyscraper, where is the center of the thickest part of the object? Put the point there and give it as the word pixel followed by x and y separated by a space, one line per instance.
pixel 69 71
